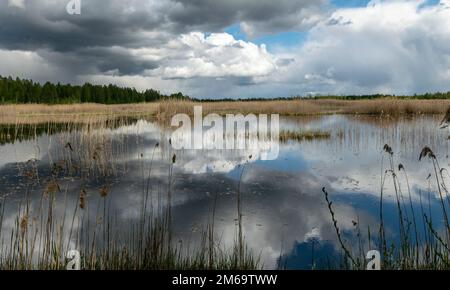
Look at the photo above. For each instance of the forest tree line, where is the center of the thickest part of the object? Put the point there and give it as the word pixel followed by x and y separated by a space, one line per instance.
pixel 22 91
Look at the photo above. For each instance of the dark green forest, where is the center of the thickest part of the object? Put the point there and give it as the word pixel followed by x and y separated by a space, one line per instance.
pixel 21 91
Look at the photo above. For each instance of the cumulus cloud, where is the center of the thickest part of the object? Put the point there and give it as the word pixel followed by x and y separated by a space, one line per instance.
pixel 387 47
pixel 255 16
pixel 398 47
pixel 146 39
pixel 217 55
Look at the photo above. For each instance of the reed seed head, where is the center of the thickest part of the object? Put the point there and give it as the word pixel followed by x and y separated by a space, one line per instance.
pixel 104 191
pixel 68 146
pixel 388 149
pixel 426 152
pixel 82 198
pixel 51 187
pixel 24 224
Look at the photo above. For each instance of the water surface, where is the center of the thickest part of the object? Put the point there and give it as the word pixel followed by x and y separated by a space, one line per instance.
pixel 285 217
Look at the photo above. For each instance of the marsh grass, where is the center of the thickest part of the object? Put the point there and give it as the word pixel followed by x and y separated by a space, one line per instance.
pixel 36 113
pixel 76 109
pixel 43 231
pixel 104 248
pixel 421 244
pixel 387 107
pixel 307 135
pixel 40 239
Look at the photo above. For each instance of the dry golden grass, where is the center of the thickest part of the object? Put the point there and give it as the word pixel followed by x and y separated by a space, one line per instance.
pixel 33 113
pixel 294 107
pixel 38 109
pixel 391 106
pixel 385 106
pixel 75 113
pixel 287 135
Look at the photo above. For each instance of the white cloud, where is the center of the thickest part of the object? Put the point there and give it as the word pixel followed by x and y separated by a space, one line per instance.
pixel 388 47
pixel 217 55
pixel 17 3
pixel 25 64
pixel 398 47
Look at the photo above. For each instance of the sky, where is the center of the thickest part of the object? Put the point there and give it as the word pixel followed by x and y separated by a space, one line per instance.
pixel 232 48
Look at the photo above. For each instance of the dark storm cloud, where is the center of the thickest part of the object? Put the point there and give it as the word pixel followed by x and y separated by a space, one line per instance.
pixel 123 62
pixel 262 15
pixel 82 44
pixel 168 45
pixel 44 23
pixel 85 40
pixel 97 60
pixel 41 25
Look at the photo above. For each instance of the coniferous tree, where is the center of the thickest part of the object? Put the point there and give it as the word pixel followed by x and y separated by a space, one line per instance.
pixel 18 91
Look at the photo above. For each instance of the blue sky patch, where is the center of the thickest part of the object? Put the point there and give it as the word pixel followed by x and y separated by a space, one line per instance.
pixel 272 41
pixel 350 3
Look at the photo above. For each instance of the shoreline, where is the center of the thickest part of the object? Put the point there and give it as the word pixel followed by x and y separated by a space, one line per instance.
pixel 20 113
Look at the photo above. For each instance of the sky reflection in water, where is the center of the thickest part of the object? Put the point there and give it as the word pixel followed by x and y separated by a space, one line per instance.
pixel 283 205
